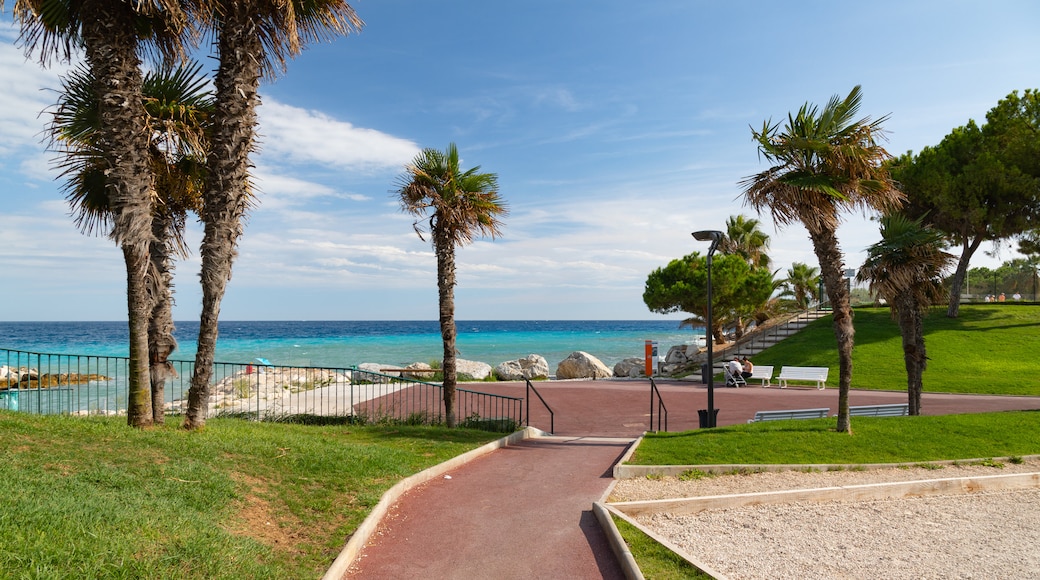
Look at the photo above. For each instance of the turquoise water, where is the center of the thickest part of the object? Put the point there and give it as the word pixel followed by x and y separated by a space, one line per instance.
pixel 348 343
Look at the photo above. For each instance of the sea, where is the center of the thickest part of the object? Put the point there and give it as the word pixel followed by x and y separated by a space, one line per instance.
pixel 341 344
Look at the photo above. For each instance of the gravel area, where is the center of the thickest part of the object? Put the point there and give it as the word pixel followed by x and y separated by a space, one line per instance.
pixel 980 535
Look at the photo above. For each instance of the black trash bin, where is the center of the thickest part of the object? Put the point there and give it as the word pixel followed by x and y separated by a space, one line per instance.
pixel 704 376
pixel 702 415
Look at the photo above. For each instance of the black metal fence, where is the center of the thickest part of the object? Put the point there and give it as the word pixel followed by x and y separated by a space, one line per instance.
pixel 97 385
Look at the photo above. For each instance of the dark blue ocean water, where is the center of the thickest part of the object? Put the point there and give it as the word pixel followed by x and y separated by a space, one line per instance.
pixel 347 343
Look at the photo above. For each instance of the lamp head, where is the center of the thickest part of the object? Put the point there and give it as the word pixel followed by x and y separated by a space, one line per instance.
pixel 713 236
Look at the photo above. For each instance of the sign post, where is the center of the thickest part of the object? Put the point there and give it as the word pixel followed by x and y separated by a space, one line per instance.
pixel 651 357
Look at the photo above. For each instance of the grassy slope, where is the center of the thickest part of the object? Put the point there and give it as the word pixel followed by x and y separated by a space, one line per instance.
pixel 93 498
pixel 990 348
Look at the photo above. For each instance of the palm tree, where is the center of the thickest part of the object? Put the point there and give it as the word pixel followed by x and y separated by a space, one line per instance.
pixel 178 107
pixel 825 162
pixel 743 237
pixel 906 269
pixel 455 206
pixel 802 284
pixel 253 37
pixel 110 33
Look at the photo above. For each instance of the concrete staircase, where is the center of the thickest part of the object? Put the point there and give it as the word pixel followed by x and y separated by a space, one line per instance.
pixel 762 338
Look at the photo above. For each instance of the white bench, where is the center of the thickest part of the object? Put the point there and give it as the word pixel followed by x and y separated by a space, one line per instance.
pixel 896 410
pixel 764 373
pixel 816 375
pixel 790 414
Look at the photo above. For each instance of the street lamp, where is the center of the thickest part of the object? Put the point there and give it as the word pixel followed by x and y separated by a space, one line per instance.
pixel 713 236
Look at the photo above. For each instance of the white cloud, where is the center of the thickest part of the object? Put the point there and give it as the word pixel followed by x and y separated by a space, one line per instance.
pixel 23 98
pixel 302 136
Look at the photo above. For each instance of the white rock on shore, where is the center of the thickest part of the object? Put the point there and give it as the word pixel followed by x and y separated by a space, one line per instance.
pixel 582 365
pixel 630 368
pixel 530 367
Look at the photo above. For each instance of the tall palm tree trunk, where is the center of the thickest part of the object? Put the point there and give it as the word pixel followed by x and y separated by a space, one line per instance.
pixel 915 357
pixel 161 342
pixel 825 244
pixel 110 42
pixel 226 195
pixel 446 297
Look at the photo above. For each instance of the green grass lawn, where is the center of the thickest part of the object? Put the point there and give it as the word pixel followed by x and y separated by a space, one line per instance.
pixel 989 348
pixel 93 498
pixel 874 440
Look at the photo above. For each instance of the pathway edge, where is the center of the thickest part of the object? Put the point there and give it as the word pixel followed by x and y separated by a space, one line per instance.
pixel 364 532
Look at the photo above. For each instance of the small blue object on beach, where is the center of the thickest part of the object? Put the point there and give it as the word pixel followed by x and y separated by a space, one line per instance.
pixel 263 361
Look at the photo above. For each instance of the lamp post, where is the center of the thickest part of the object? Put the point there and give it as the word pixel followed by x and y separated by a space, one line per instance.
pixel 713 236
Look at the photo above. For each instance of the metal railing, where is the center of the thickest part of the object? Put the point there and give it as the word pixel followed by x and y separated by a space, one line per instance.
pixel 97 385
pixel 662 411
pixel 762 338
pixel 552 416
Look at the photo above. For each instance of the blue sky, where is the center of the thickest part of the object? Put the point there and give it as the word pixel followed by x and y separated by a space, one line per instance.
pixel 616 129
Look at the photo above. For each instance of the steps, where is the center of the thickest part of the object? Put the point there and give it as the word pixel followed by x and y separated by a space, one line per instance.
pixel 761 339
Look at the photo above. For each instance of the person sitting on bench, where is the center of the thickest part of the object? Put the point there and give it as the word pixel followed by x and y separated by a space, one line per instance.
pixel 747 369
pixel 733 369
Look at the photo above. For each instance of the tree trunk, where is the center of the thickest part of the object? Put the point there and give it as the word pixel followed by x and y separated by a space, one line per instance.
pixel 911 326
pixel 445 251
pixel 967 251
pixel 825 244
pixel 110 42
pixel 161 342
pixel 227 188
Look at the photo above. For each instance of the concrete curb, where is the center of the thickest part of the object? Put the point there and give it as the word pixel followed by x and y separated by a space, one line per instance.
pixel 368 527
pixel 635 471
pixel 617 543
pixel 864 492
pixel 604 511
pixel 620 465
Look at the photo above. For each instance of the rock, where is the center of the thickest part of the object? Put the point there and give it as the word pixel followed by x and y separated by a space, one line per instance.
pixel 682 353
pixel 582 365
pixel 421 375
pixel 530 367
pixel 377 370
pixel 478 371
pixel 630 367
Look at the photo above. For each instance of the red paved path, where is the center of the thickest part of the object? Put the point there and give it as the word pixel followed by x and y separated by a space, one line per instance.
pixel 525 511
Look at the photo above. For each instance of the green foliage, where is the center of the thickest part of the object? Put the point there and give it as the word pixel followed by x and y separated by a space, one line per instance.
pixel 242 387
pixel 979 183
pixel 682 286
pixel 694 474
pixel 499 424
pixel 876 440
pixel 802 285
pixel 89 498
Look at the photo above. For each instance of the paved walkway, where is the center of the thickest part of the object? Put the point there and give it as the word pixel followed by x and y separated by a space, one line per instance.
pixel 524 511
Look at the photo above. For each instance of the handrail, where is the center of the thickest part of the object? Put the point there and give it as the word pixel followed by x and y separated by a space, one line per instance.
pixel 552 416
pixel 98 385
pixel 660 407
